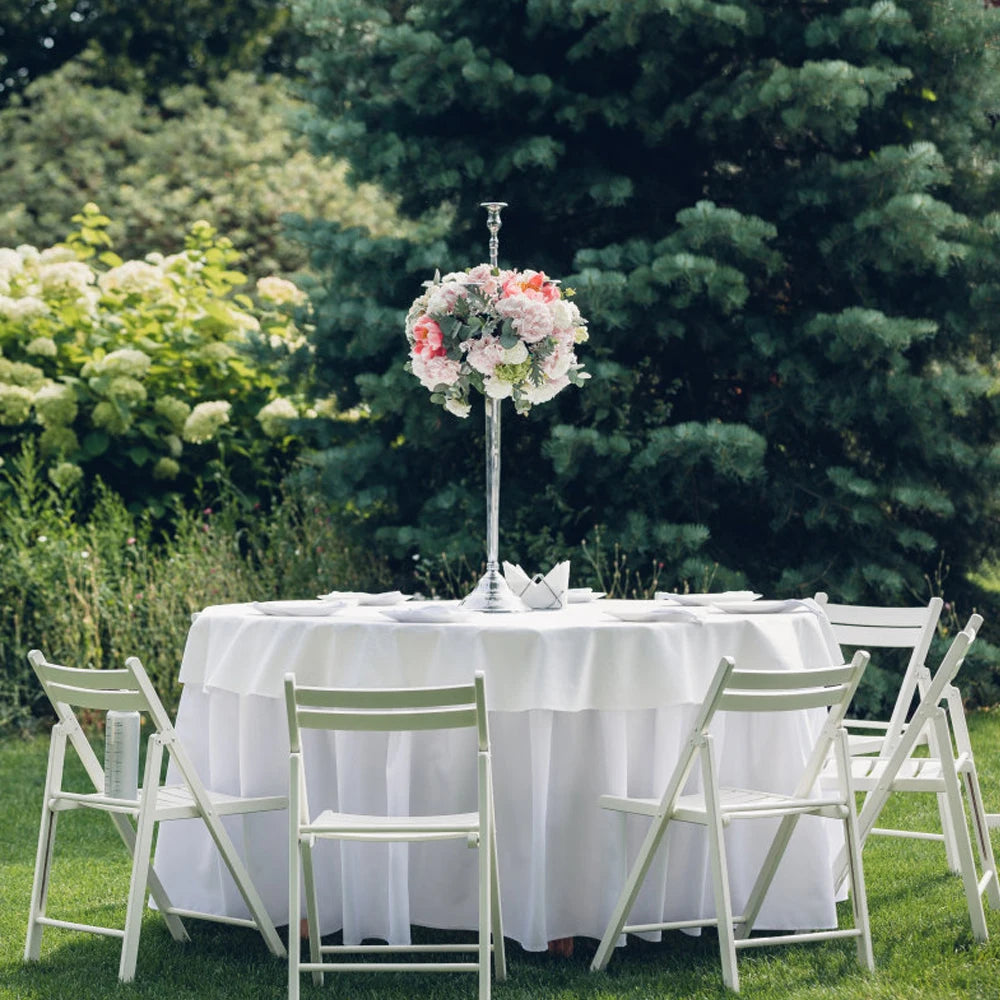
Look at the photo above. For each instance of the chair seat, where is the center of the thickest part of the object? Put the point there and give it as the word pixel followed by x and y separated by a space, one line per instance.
pixel 172 802
pixel 733 802
pixel 366 827
pixel 914 774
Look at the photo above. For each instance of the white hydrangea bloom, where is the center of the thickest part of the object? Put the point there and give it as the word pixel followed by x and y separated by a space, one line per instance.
pixel 166 468
pixel 43 347
pixel 65 475
pixel 56 254
pixel 55 404
pixel 274 417
pixel 111 418
pixel 279 290
pixel 174 410
pixel 10 264
pixel 23 308
pixel 65 275
pixel 15 404
pixel 126 389
pixel 58 441
pixel 133 277
pixel 125 361
pixel 204 421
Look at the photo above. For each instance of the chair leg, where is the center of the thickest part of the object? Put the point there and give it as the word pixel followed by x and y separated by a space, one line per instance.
pixel 46 844
pixel 980 825
pixel 720 874
pixel 853 847
pixel 627 897
pixel 238 870
pixel 496 923
pixel 960 833
pixel 484 845
pixel 294 894
pixel 312 909
pixel 140 860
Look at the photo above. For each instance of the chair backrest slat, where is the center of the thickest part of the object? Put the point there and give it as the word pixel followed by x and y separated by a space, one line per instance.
pixel 387 721
pixel 879 636
pixel 784 680
pixel 781 701
pixel 78 697
pixel 95 680
pixel 859 614
pixel 381 698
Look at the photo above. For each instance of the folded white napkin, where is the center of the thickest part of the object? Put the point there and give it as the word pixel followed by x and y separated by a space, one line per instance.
pixel 541 592
pixel 363 598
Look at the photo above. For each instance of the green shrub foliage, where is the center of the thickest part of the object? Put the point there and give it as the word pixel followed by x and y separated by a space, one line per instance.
pixel 92 587
pixel 148 373
pixel 780 220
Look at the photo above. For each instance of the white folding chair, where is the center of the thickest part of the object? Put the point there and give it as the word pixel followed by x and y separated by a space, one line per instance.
pixel 715 807
pixel 949 768
pixel 388 710
pixel 866 627
pixel 70 688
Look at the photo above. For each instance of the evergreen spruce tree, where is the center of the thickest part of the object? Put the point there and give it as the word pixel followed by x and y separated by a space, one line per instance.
pixel 780 218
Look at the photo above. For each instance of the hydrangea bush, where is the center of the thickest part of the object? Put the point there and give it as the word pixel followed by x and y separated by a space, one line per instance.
pixel 145 371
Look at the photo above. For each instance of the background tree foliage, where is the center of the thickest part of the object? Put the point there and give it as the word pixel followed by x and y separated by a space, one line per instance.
pixel 147 45
pixel 780 221
pixel 225 152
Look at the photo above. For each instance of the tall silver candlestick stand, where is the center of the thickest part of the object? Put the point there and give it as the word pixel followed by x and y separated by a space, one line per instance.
pixel 492 592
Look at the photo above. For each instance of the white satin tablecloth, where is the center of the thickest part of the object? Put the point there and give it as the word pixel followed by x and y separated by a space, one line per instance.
pixel 580 704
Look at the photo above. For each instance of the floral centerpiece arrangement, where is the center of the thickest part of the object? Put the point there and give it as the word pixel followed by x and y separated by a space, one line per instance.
pixel 508 333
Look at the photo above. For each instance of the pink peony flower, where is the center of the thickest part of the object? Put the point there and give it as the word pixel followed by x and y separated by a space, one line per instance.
pixel 531 318
pixel 484 355
pixel 435 370
pixel 428 339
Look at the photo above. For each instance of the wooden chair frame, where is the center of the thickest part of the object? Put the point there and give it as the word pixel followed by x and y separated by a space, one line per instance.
pixel 391 710
pixel 715 807
pixel 70 688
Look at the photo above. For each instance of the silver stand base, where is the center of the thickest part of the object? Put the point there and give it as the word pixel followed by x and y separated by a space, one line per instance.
pixel 492 594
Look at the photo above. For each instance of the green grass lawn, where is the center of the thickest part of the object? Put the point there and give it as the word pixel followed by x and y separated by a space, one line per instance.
pixel 923 944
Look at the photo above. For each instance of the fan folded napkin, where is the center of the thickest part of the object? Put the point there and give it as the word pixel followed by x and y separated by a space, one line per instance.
pixel 546 592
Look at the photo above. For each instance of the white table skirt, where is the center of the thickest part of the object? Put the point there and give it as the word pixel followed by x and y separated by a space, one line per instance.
pixel 580 705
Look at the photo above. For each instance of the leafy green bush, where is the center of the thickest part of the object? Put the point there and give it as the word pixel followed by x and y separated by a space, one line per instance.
pixel 91 590
pixel 146 373
pixel 226 152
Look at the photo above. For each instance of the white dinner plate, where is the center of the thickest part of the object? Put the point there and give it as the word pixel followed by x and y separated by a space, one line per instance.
pixel 581 595
pixel 650 611
pixel 361 597
pixel 300 609
pixel 723 597
pixel 431 611
pixel 764 607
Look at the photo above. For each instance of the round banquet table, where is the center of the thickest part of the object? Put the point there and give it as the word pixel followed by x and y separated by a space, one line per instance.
pixel 580 704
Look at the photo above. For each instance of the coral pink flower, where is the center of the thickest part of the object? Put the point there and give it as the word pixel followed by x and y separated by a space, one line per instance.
pixel 427 338
pixel 533 284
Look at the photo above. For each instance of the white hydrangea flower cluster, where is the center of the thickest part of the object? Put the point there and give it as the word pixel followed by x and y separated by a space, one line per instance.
pixel 205 419
pixel 275 417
